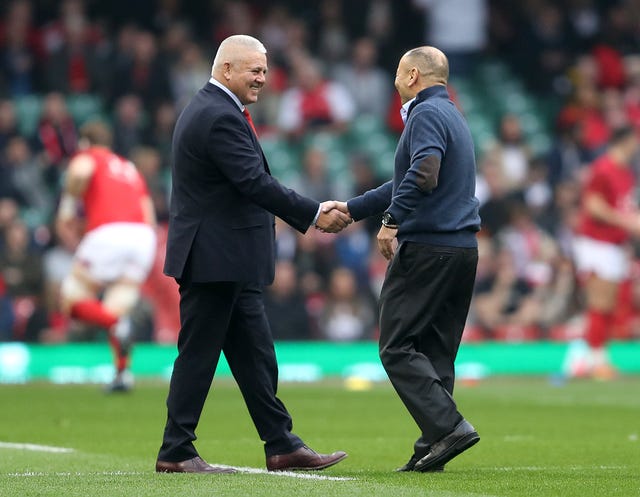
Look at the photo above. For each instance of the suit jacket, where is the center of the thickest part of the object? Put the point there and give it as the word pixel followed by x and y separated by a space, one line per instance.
pixel 223 199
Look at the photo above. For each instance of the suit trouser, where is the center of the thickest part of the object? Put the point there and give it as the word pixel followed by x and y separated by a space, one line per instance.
pixel 424 304
pixel 228 317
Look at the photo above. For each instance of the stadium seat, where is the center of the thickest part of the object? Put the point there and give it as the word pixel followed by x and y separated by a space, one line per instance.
pixel 84 107
pixel 28 109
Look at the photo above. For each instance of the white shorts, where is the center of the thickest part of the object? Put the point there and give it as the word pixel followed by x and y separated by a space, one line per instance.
pixel 118 250
pixel 606 260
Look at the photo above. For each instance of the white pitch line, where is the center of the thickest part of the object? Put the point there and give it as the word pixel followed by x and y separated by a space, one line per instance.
pixel 258 471
pixel 36 448
pixel 290 474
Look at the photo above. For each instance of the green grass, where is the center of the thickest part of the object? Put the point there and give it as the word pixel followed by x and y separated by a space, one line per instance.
pixel 579 439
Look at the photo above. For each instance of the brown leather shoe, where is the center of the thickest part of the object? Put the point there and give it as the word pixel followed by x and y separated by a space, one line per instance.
pixel 304 458
pixel 195 465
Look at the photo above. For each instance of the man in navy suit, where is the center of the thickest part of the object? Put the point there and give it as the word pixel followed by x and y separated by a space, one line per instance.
pixel 221 251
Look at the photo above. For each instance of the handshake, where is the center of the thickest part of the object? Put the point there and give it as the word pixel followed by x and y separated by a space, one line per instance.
pixel 334 216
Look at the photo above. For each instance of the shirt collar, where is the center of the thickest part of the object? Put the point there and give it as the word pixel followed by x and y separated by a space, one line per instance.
pixel 404 110
pixel 217 83
pixel 430 92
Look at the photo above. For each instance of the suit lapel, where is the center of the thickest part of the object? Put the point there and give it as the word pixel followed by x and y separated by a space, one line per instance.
pixel 209 87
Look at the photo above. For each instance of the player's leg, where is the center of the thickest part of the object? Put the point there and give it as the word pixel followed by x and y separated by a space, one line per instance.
pixel 79 298
pixel 601 295
pixel 119 300
pixel 603 266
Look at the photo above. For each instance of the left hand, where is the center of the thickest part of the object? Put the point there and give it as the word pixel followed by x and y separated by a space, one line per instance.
pixel 386 237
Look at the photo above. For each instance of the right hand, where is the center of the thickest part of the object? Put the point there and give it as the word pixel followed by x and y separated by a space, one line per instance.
pixel 334 217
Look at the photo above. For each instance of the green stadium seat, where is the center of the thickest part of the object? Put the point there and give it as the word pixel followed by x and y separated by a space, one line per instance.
pixel 28 110
pixel 84 106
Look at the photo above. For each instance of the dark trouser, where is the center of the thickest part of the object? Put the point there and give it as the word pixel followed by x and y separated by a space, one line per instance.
pixel 228 317
pixel 423 308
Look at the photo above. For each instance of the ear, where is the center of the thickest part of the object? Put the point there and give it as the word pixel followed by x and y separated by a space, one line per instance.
pixel 226 70
pixel 413 76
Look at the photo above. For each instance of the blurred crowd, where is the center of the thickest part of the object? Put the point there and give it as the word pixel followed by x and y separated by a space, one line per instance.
pixel 332 63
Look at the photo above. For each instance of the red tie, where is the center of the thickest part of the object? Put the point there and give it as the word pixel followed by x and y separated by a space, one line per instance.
pixel 248 116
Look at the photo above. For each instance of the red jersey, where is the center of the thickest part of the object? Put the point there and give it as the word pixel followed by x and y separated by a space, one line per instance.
pixel 616 185
pixel 115 190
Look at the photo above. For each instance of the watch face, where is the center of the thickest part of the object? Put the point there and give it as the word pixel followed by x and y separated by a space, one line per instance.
pixel 387 218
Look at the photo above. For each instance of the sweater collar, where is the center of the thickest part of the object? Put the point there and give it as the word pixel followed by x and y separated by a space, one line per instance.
pixel 436 91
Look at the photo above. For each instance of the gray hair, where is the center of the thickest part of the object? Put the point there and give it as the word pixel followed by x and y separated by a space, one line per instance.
pixel 229 46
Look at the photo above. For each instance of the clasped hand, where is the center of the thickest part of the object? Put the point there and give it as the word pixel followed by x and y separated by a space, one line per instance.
pixel 334 216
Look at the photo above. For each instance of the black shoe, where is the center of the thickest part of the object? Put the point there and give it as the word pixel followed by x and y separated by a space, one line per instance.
pixel 411 464
pixel 123 382
pixel 460 439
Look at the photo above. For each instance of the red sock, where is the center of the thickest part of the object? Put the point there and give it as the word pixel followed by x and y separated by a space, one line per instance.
pixel 92 311
pixel 597 331
pixel 121 355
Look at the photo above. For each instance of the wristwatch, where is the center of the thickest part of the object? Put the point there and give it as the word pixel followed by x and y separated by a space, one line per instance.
pixel 388 221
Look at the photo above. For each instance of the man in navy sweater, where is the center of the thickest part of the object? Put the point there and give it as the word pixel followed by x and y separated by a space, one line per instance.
pixel 430 208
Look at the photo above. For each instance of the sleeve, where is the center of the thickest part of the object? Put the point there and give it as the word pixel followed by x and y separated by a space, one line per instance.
pixel 427 143
pixel 371 203
pixel 232 149
pixel 598 183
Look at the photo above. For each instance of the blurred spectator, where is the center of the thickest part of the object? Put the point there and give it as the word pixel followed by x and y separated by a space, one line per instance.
pixel 353 246
pixel 21 270
pixel 457 27
pixel 315 180
pixel 346 316
pixel 494 195
pixel 149 162
pixel 8 122
pixel 160 132
pixel 190 73
pixel 333 37
pixel 76 64
pixel 369 85
pixel 231 17
pixel 537 193
pixel 566 159
pixel 314 103
pixel 18 64
pixel 531 248
pixel 56 263
pixel 27 179
pixel 587 107
pixel 512 152
pixel 129 124
pixel 364 178
pixel 72 18
pixel 177 38
pixel 505 305
pixel 285 305
pixel 7 316
pixel 143 73
pixel 546 55
pixel 56 133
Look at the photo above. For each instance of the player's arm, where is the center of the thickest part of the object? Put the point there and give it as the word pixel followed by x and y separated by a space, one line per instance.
pixel 598 208
pixel 148 210
pixel 77 179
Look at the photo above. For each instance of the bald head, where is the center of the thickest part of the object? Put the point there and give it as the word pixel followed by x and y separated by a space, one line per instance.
pixel 418 69
pixel 430 62
pixel 235 49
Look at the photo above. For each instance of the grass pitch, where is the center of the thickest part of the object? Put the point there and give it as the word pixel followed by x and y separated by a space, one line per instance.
pixel 537 439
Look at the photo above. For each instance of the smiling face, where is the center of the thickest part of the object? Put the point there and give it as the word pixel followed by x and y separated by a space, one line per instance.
pixel 246 75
